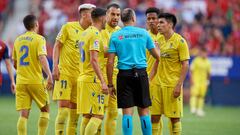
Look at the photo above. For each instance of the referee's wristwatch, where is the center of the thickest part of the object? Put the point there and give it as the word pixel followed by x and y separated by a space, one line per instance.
pixel 110 85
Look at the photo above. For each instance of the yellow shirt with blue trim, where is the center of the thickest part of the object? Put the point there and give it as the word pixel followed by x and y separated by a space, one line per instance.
pixel 91 41
pixel 173 52
pixel 69 36
pixel 27 49
pixel 200 68
pixel 106 34
pixel 150 59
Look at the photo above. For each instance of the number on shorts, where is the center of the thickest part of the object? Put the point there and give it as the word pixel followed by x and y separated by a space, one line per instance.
pixel 24 49
pixel 101 99
pixel 64 84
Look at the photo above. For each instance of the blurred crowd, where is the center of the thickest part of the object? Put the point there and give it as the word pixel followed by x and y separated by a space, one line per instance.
pixel 6 10
pixel 214 24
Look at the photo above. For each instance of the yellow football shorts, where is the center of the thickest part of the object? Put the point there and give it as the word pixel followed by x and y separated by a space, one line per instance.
pixel 65 88
pixel 90 98
pixel 199 90
pixel 163 102
pixel 25 93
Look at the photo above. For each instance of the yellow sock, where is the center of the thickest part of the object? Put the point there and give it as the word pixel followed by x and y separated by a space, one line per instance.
pixel 176 128
pixel 72 122
pixel 99 130
pixel 22 126
pixel 60 120
pixel 155 128
pixel 83 125
pixel 110 123
pixel 43 123
pixel 92 126
pixel 193 102
pixel 170 127
pixel 200 103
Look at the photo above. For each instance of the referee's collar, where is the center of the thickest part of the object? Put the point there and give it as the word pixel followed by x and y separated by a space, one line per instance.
pixel 128 27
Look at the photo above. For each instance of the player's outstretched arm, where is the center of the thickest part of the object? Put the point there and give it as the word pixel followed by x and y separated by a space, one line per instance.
pixel 46 69
pixel 95 64
pixel 56 53
pixel 110 64
pixel 10 73
pixel 177 90
pixel 154 70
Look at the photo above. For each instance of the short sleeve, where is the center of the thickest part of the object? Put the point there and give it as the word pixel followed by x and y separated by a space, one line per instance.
pixel 150 44
pixel 94 43
pixel 42 47
pixel 112 46
pixel 62 35
pixel 183 50
pixel 6 54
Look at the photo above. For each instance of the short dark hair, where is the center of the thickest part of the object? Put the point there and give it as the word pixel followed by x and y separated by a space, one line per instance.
pixel 203 49
pixel 169 17
pixel 98 12
pixel 127 14
pixel 29 21
pixel 152 10
pixel 115 5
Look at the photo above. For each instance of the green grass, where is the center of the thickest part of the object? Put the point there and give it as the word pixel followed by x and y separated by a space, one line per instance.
pixel 218 120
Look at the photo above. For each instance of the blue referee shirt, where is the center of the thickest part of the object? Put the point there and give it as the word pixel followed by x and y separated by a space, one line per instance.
pixel 130 45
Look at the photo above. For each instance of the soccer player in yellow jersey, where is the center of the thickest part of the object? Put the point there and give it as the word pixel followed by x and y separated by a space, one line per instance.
pixel 113 17
pixel 29 55
pixel 93 86
pixel 152 22
pixel 66 71
pixel 199 78
pixel 172 70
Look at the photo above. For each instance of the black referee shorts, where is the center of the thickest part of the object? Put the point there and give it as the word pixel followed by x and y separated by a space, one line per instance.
pixel 133 88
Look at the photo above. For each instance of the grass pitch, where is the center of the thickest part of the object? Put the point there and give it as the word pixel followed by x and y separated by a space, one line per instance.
pixel 218 120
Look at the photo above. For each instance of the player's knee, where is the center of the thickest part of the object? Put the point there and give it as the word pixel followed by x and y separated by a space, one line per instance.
pixel 72 105
pixel 174 120
pixel 45 109
pixel 88 116
pixel 64 103
pixel 98 116
pixel 24 113
pixel 155 118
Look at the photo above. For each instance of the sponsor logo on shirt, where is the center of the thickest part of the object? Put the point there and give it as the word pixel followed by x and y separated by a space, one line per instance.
pixel 120 37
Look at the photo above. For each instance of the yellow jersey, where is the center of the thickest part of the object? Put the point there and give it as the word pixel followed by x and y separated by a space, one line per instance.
pixel 173 51
pixel 69 36
pixel 27 48
pixel 200 68
pixel 150 59
pixel 106 34
pixel 91 41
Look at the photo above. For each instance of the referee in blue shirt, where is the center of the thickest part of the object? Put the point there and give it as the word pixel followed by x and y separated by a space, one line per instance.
pixel 130 44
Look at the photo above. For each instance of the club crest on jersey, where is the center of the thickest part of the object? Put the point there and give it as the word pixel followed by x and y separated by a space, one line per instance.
pixel 182 40
pixel 120 37
pixel 76 30
pixel 96 44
